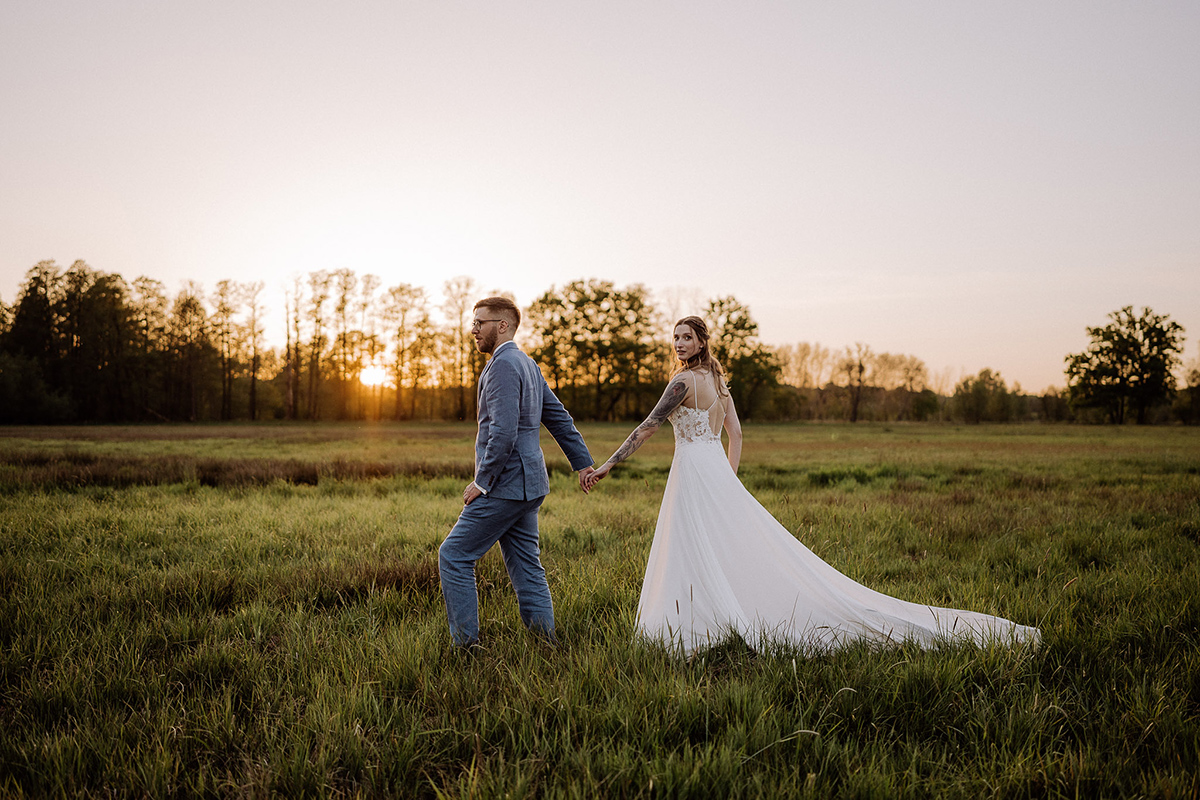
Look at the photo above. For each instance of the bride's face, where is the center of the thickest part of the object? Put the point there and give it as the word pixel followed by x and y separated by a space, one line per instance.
pixel 686 343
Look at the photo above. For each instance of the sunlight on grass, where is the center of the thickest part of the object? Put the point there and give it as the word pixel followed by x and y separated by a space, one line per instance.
pixel 270 635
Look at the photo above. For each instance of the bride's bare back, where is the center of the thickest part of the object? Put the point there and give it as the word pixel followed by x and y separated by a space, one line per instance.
pixel 705 392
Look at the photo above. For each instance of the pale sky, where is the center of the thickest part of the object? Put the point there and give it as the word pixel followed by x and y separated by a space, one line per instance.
pixel 972 183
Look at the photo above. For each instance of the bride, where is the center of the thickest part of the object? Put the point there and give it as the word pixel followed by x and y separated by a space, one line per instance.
pixel 720 563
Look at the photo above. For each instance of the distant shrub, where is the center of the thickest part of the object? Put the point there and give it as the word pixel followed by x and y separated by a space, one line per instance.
pixel 71 470
pixel 984 398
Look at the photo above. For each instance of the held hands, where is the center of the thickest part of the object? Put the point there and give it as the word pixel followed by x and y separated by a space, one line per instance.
pixel 595 476
pixel 585 476
pixel 588 477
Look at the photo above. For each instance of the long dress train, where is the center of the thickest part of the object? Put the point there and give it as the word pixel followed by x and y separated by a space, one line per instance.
pixel 720 563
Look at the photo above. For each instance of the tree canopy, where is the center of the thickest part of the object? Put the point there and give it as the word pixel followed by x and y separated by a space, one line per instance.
pixel 984 398
pixel 597 344
pixel 752 366
pixel 1128 365
pixel 82 345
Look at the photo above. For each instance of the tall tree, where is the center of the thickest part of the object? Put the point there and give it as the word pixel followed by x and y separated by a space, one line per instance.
pixel 108 351
pixel 368 346
pixel 551 331
pixel 752 366
pixel 293 357
pixel 404 305
pixel 318 284
pixel 914 375
pixel 34 329
pixel 596 342
pixel 804 365
pixel 857 365
pixel 225 302
pixel 345 287
pixel 1127 366
pixel 459 301
pixel 70 368
pixel 150 380
pixel 252 298
pixel 188 335
pixel 984 398
pixel 30 352
pixel 897 380
pixel 422 355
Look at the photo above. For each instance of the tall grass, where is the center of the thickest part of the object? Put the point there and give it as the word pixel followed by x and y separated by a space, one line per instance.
pixel 178 637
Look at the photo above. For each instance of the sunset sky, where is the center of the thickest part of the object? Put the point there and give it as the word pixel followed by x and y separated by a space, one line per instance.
pixel 972 183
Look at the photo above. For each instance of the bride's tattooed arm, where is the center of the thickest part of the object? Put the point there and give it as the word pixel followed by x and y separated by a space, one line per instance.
pixel 671 399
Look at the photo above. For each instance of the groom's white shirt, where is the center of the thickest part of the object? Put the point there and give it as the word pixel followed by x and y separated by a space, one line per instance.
pixel 496 351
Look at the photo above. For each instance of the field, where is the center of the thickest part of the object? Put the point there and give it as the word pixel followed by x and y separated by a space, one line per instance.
pixel 255 611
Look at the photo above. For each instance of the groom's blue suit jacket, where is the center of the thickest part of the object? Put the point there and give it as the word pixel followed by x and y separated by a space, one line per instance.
pixel 514 402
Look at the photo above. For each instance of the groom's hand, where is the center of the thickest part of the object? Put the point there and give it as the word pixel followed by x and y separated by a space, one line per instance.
pixel 470 493
pixel 585 475
pixel 597 476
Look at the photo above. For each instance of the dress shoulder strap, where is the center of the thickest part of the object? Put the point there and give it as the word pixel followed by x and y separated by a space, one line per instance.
pixel 716 391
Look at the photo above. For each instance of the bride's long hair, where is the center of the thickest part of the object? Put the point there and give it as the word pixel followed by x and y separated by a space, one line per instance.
pixel 704 357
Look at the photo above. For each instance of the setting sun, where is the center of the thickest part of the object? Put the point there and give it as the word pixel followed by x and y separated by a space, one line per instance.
pixel 373 375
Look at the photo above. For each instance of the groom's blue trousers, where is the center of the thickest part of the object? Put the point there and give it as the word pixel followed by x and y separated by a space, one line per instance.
pixel 514 524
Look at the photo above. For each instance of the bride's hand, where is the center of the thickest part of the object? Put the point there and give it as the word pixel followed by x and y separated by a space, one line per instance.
pixel 598 474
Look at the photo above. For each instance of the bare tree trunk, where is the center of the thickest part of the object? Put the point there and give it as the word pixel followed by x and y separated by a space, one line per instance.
pixel 254 385
pixel 458 304
pixel 294 385
pixel 319 282
pixel 289 399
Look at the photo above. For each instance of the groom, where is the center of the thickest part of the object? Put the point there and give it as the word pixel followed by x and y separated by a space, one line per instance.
pixel 501 504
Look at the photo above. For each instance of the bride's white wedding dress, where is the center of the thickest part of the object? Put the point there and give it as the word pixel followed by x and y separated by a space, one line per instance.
pixel 720 563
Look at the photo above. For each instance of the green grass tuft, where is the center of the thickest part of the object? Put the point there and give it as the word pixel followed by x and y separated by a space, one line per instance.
pixel 183 613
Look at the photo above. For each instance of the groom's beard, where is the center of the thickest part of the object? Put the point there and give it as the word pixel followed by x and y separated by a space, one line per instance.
pixel 486 342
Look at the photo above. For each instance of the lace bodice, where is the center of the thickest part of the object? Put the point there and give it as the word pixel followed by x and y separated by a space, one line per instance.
pixel 691 425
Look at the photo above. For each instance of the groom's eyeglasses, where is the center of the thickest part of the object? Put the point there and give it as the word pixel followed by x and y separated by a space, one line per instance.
pixel 477 324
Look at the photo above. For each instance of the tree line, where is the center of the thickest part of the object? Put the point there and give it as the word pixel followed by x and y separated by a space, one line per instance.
pixel 81 345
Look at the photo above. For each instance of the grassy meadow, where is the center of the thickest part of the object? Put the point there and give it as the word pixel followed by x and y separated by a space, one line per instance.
pixel 255 611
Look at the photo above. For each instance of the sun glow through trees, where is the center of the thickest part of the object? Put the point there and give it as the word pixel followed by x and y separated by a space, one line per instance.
pixel 373 375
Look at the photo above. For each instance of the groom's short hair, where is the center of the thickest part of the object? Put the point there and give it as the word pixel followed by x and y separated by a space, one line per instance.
pixel 501 305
